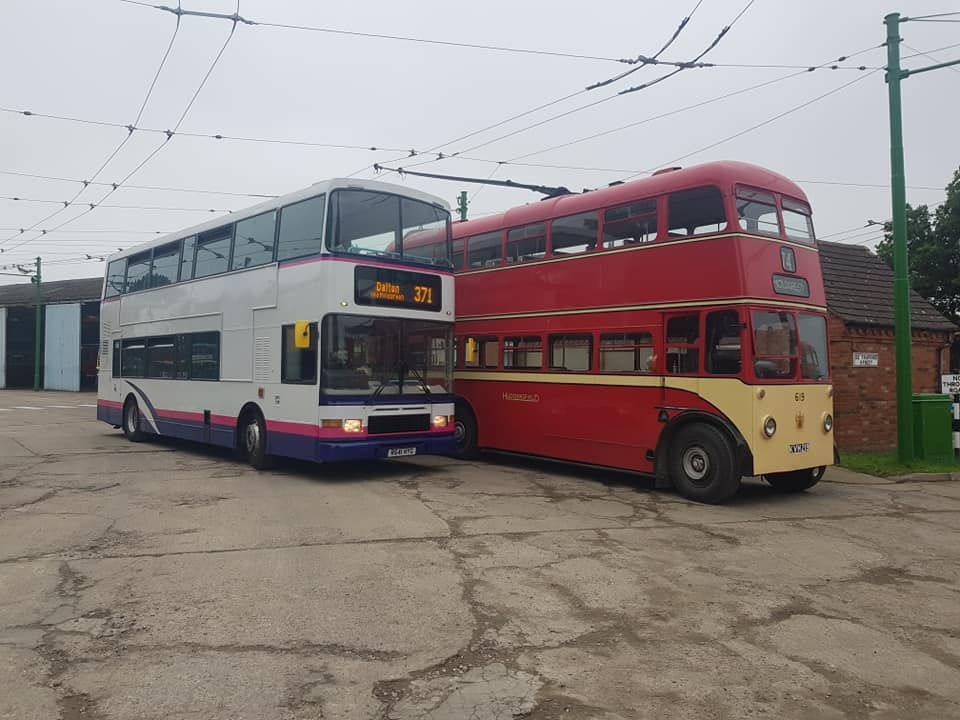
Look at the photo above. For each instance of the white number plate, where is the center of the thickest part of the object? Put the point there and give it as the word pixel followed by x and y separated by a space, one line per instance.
pixel 401 452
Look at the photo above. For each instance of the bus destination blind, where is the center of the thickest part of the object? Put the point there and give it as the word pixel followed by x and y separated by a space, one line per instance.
pixel 397 288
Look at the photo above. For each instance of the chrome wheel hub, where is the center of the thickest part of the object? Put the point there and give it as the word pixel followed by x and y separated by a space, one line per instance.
pixel 696 463
pixel 252 436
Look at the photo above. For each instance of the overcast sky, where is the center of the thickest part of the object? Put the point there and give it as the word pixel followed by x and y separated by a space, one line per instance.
pixel 95 59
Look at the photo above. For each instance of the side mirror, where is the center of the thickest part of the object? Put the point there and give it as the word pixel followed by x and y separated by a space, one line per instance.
pixel 301 334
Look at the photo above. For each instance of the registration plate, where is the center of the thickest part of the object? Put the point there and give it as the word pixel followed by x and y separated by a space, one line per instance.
pixel 799 448
pixel 401 452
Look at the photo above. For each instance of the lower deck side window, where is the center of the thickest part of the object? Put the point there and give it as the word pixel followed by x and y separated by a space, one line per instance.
pixel 192 356
pixel 627 352
pixel 571 352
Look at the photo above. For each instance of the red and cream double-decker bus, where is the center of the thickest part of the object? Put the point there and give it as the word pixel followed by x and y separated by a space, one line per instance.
pixel 674 325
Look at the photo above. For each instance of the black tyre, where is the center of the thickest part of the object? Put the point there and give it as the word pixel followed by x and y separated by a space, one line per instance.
pixel 703 465
pixel 252 441
pixel 465 431
pixel 796 480
pixel 131 420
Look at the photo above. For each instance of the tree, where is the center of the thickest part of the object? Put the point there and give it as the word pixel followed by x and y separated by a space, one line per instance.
pixel 933 244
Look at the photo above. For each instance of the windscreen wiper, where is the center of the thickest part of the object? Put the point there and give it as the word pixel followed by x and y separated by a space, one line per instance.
pixel 416 374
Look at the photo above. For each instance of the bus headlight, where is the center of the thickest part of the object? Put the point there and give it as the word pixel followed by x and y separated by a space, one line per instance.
pixel 769 426
pixel 439 421
pixel 353 425
pixel 827 422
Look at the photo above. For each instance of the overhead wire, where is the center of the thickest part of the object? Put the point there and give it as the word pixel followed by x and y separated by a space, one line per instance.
pixel 115 186
pixel 384 36
pixel 930 57
pixel 554 102
pixel 114 152
pixel 756 126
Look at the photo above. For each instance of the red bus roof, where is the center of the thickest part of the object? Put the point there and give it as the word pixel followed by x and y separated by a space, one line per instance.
pixel 724 174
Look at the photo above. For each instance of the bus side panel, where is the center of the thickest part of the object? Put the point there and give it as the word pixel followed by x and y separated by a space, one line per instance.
pixel 602 425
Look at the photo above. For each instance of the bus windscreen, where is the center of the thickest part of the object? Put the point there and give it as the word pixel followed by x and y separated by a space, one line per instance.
pixel 363 355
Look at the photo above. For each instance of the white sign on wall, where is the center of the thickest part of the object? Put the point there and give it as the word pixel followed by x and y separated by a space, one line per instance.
pixel 866 359
pixel 950 384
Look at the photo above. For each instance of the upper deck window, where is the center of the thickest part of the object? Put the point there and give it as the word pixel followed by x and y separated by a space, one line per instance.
pixel 485 250
pixel 254 241
pixel 574 234
pixel 377 224
pixel 695 212
pixel 301 226
pixel 425 232
pixel 797 221
pixel 458 253
pixel 186 257
pixel 138 272
pixel 213 252
pixel 757 211
pixel 526 244
pixel 634 223
pixel 166 260
pixel 116 271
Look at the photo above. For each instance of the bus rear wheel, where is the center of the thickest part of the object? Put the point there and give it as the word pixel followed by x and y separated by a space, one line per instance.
pixel 131 420
pixel 702 464
pixel 794 481
pixel 252 442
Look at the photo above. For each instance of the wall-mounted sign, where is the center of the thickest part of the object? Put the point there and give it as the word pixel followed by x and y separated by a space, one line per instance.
pixel 866 359
pixel 950 384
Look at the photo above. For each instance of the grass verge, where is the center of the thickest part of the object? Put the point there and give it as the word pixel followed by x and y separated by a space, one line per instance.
pixel 887 465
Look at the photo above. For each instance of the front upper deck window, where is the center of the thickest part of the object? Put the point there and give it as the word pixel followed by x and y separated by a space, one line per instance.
pixel 797 221
pixel 695 212
pixel 375 224
pixel 757 211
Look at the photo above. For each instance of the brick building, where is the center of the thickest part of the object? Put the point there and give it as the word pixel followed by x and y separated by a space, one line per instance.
pixel 859 288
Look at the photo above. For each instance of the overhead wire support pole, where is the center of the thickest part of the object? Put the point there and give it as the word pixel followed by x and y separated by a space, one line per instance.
pixel 38 330
pixel 901 269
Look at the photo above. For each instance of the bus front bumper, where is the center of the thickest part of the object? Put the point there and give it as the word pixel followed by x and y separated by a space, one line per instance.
pixel 386 448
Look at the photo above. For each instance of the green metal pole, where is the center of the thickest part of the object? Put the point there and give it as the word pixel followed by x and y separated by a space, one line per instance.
pixel 901 282
pixel 37 334
pixel 462 204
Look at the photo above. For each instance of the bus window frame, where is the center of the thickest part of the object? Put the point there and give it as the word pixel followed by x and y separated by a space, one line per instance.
pixel 658 212
pixel 652 330
pixel 698 345
pixel 754 355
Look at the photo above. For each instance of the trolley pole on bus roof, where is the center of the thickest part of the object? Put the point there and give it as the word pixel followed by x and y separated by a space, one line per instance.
pixel 901 283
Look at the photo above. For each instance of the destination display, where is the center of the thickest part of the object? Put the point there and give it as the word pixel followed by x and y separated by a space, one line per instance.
pixel 786 285
pixel 397 288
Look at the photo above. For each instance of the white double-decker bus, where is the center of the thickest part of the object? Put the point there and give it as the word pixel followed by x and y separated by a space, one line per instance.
pixel 301 327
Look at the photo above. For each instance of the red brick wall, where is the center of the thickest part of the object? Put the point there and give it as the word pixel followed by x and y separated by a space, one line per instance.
pixel 865 398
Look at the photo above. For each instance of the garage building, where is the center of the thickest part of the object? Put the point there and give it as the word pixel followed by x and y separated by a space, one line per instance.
pixel 70 330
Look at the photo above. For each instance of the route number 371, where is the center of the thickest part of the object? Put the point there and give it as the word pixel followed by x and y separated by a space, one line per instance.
pixel 422 294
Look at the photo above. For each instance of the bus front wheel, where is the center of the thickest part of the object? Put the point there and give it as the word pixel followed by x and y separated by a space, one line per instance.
pixel 131 420
pixel 253 440
pixel 465 431
pixel 702 464
pixel 796 480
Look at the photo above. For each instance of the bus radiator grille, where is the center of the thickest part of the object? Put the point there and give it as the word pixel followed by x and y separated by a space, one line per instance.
pixel 378 425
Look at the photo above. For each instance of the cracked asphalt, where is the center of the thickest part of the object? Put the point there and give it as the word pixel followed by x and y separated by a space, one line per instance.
pixel 166 580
